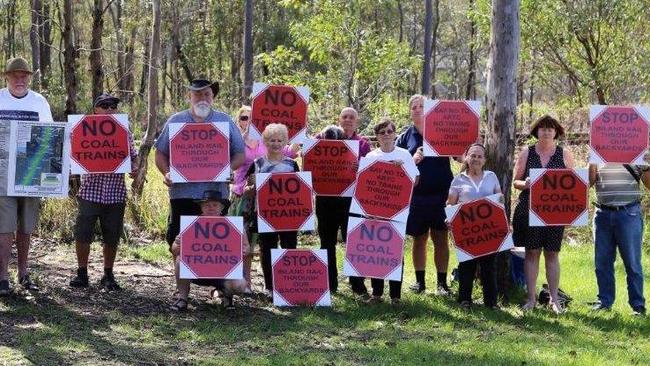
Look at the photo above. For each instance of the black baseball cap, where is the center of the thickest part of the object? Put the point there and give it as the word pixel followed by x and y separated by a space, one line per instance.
pixel 105 98
pixel 200 84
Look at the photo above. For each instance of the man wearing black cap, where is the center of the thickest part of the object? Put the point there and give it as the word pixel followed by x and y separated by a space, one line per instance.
pixel 182 196
pixel 101 197
pixel 18 215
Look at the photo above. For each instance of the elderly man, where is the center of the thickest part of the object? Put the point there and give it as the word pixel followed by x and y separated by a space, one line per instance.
pixel 101 197
pixel 618 224
pixel 183 196
pixel 332 212
pixel 19 215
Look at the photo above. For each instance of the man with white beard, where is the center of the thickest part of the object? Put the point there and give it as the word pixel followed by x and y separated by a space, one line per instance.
pixel 183 197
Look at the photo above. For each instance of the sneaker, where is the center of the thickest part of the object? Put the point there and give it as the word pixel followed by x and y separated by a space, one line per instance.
pixel 5 289
pixel 598 306
pixel 443 291
pixel 27 283
pixel 466 305
pixel 108 282
pixel 79 281
pixel 395 301
pixel 638 311
pixel 417 287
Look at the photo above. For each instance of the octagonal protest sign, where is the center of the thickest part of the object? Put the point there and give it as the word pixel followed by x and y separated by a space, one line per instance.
pixel 558 197
pixel 284 202
pixel 300 277
pixel 333 165
pixel 374 248
pixel 99 143
pixel 199 152
pixel 282 104
pixel 618 134
pixel 450 126
pixel 211 247
pixel 479 227
pixel 383 189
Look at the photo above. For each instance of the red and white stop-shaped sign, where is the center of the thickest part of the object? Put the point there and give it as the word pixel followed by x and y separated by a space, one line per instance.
pixel 479 227
pixel 300 277
pixel 284 202
pixel 450 126
pixel 333 165
pixel 383 189
pixel 211 247
pixel 99 143
pixel 199 152
pixel 558 197
pixel 374 248
pixel 618 134
pixel 283 104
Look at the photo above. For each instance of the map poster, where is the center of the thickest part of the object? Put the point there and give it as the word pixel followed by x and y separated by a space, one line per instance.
pixel 39 160
pixel 6 116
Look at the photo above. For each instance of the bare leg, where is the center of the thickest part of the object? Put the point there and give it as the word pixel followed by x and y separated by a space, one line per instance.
pixel 6 240
pixel 83 252
pixel 552 263
pixel 22 247
pixel 441 250
pixel 248 260
pixel 531 269
pixel 420 251
pixel 110 252
pixel 183 286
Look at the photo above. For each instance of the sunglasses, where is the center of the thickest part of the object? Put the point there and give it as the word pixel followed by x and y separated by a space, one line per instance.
pixel 385 132
pixel 243 118
pixel 107 106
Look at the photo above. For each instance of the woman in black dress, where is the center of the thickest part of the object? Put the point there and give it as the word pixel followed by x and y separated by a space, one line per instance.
pixel 545 153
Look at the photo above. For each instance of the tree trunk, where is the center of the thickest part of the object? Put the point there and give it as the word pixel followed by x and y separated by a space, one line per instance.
pixel 46 43
pixel 152 102
pixel 95 57
pixel 247 90
pixel 145 66
pixel 428 29
pixel 116 15
pixel 434 49
pixel 70 58
pixel 470 88
pixel 129 67
pixel 502 107
pixel 34 34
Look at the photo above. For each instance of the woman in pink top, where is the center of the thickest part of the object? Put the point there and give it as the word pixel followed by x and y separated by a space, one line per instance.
pixel 241 204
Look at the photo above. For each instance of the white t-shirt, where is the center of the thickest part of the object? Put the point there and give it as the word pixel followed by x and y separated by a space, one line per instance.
pixel 31 102
pixel 398 154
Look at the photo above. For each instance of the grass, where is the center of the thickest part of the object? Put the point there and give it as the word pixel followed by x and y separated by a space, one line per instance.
pixel 58 328
pixel 64 326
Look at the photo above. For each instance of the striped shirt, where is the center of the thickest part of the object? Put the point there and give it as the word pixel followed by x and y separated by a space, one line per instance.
pixel 615 186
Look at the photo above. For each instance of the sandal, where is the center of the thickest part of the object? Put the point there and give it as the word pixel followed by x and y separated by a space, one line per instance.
pixel 179 305
pixel 27 283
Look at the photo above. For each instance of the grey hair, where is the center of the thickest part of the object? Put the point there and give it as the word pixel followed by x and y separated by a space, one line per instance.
pixel 332 132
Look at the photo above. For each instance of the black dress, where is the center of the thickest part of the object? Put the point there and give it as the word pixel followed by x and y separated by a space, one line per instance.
pixel 536 237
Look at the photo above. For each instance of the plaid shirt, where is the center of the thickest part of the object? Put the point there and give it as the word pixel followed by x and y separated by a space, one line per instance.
pixel 105 188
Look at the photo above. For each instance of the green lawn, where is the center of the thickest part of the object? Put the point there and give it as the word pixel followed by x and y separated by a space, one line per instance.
pixel 63 326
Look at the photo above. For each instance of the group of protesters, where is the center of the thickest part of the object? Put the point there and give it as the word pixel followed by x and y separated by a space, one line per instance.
pixel 618 221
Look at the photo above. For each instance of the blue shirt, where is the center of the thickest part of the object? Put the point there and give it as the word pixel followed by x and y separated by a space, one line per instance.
pixel 195 190
pixel 435 172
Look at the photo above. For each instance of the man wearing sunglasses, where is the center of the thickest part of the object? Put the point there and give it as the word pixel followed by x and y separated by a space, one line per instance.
pixel 101 197
pixel 18 215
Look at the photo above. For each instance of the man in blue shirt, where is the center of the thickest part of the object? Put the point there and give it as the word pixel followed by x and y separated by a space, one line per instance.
pixel 183 196
pixel 427 213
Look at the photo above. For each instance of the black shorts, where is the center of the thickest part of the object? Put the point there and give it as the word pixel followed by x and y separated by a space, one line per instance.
pixel 111 221
pixel 426 215
pixel 177 208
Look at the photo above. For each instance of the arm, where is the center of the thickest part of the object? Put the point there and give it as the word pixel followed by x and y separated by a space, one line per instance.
pixel 452 199
pixel 162 163
pixel 237 160
pixel 569 161
pixel 520 168
pixel 593 174
pixel 645 178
